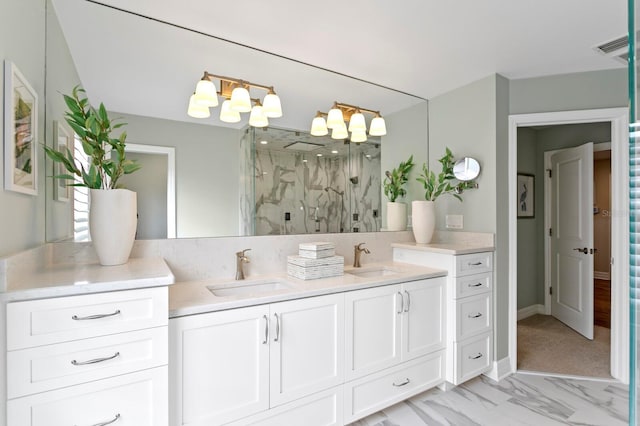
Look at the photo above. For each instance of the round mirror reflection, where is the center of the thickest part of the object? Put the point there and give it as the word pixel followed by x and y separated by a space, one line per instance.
pixel 466 169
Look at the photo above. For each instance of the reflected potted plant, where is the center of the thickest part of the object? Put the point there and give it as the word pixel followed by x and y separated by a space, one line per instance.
pixel 423 219
pixel 393 185
pixel 113 210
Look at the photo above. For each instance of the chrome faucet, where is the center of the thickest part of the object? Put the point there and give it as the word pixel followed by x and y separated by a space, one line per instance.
pixel 241 258
pixel 357 251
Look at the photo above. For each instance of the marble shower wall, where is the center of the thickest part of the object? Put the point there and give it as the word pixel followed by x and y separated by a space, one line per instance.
pixel 247 184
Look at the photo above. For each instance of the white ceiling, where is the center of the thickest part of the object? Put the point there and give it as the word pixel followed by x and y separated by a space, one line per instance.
pixel 422 47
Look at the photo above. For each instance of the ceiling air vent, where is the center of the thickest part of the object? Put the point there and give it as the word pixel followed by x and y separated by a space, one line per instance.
pixel 616 49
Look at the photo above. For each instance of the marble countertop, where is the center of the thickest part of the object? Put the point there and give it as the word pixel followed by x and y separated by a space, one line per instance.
pixel 70 279
pixel 453 248
pixel 194 297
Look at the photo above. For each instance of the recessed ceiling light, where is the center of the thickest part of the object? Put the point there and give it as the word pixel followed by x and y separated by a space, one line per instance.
pixel 264 173
pixel 264 142
pixel 335 151
pixel 304 161
pixel 318 155
pixel 368 156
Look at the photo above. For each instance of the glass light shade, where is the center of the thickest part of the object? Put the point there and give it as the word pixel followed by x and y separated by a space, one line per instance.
pixel 206 94
pixel 271 106
pixel 197 111
pixel 257 117
pixel 340 132
pixel 358 136
pixel 357 123
pixel 378 127
pixel 227 114
pixel 335 118
pixel 319 127
pixel 240 100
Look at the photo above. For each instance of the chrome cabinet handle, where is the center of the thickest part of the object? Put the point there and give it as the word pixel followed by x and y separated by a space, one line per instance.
pixel 266 330
pixel 92 317
pixel 405 382
pixel 476 357
pixel 408 301
pixel 401 303
pixel 277 328
pixel 478 315
pixel 95 361
pixel 115 419
pixel 474 285
pixel 474 264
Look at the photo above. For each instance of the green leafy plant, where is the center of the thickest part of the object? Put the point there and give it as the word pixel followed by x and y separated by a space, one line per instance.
pixel 396 179
pixel 94 129
pixel 441 184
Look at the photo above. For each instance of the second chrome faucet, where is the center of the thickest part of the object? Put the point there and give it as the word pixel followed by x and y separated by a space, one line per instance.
pixel 241 259
pixel 357 251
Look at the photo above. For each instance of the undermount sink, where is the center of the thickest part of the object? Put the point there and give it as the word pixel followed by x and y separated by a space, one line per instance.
pixel 382 271
pixel 252 288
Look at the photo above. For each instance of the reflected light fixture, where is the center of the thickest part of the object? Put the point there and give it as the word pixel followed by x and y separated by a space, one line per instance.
pixel 340 132
pixel 359 136
pixel 238 99
pixel 319 126
pixel 341 112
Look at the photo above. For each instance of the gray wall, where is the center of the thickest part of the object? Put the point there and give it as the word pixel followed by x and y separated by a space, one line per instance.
pixel 207 172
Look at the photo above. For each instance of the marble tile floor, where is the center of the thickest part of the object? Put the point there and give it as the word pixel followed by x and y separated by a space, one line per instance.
pixel 520 399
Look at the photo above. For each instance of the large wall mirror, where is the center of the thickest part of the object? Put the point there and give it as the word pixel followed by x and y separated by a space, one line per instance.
pixel 229 179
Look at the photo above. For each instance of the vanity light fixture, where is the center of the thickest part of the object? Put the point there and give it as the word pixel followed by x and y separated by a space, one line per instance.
pixel 237 99
pixel 335 120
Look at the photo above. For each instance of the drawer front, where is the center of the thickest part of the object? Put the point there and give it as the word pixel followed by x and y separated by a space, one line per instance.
pixel 50 367
pixel 372 393
pixel 137 399
pixel 42 322
pixel 473 316
pixel 475 263
pixel 472 357
pixel 471 285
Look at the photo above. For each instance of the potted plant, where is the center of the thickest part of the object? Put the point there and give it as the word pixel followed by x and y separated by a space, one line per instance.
pixel 113 210
pixel 423 211
pixel 393 185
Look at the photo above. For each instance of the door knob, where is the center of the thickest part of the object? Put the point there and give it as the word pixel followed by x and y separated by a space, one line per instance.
pixel 583 250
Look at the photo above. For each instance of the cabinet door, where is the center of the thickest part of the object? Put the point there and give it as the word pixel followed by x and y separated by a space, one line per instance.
pixel 423 321
pixel 220 366
pixel 373 319
pixel 307 346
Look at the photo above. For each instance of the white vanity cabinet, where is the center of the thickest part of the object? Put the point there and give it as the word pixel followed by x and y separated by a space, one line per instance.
pixel 469 307
pixel 88 359
pixel 231 364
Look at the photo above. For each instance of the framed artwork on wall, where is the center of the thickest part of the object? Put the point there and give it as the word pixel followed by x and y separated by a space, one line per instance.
pixel 61 142
pixel 526 191
pixel 20 131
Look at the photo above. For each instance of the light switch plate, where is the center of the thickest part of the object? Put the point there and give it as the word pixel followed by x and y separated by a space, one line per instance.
pixel 454 221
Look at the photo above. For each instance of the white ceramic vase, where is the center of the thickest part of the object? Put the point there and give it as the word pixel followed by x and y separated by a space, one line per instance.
pixel 112 224
pixel 396 216
pixel 423 220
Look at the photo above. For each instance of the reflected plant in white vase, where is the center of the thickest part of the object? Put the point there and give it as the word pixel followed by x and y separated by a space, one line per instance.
pixel 393 185
pixel 423 213
pixel 113 210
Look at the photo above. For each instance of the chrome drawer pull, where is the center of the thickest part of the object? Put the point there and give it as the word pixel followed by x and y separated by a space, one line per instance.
pixel 401 303
pixel 277 328
pixel 115 419
pixel 408 301
pixel 266 329
pixel 95 361
pixel 478 315
pixel 474 285
pixel 406 382
pixel 474 264
pixel 476 357
pixel 92 317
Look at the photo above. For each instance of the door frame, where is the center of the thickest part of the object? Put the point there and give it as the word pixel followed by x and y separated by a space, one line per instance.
pixel 619 119
pixel 602 146
pixel 170 153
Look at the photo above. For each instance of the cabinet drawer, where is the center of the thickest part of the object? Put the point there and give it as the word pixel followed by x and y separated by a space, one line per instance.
pixel 472 357
pixel 47 321
pixel 380 390
pixel 473 284
pixel 50 367
pixel 138 399
pixel 473 316
pixel 475 263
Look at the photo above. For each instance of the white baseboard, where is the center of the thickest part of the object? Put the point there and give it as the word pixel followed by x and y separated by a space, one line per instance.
pixel 530 311
pixel 602 275
pixel 500 369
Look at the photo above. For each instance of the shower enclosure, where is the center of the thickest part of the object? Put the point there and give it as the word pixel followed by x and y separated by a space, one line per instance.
pixel 295 183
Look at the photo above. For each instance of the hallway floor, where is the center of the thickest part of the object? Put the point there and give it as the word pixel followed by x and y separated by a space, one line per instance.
pixel 520 399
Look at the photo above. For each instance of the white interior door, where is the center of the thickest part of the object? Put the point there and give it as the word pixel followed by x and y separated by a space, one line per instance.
pixel 572 238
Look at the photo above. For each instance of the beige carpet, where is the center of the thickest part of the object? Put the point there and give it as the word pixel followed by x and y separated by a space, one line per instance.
pixel 547 345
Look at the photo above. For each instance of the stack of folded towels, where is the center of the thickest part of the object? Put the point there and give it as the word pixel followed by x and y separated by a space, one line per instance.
pixel 315 260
